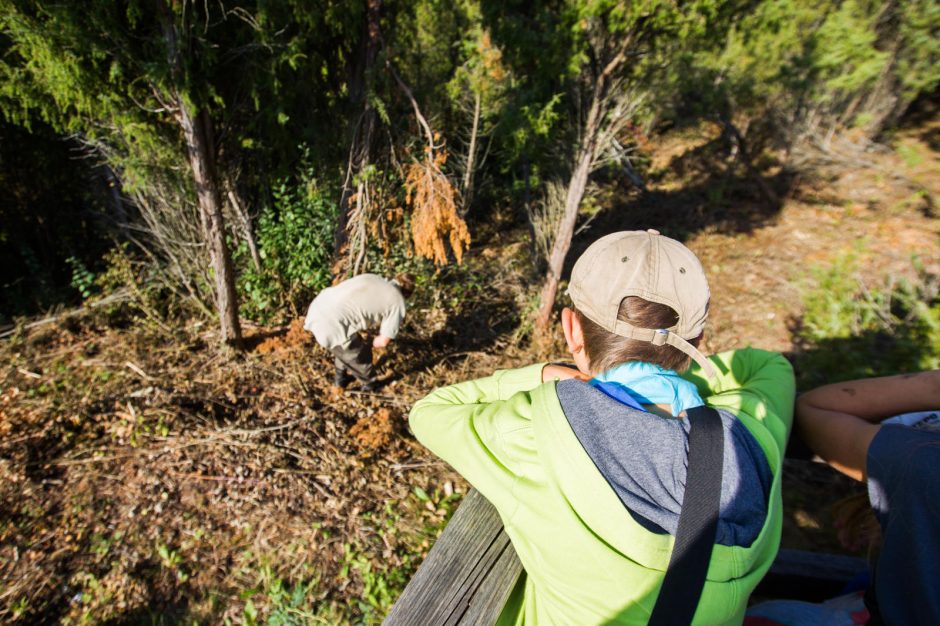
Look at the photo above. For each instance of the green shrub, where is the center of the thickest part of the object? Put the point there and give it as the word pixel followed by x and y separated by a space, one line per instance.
pixel 83 280
pixel 852 328
pixel 295 242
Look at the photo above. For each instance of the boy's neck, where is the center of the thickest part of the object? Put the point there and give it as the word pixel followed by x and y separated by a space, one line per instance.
pixel 663 410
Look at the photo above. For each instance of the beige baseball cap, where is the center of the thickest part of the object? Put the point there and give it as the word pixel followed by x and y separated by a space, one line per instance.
pixel 653 267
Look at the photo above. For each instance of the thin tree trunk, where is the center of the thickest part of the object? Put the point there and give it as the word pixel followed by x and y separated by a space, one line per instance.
pixel 562 244
pixel 578 182
pixel 248 231
pixel 361 144
pixel 196 130
pixel 471 152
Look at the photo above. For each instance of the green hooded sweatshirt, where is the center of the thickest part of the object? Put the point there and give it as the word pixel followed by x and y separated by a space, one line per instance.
pixel 586 559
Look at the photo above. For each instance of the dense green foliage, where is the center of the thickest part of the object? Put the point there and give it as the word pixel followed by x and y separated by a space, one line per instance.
pixel 817 66
pixel 294 236
pixel 502 90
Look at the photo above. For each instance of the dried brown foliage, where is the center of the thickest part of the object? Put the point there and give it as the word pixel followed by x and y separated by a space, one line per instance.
pixel 373 432
pixel 435 222
pixel 138 476
pixel 388 220
pixel 295 336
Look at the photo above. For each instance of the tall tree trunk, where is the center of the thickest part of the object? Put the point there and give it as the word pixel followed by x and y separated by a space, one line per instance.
pixel 197 130
pixel 562 243
pixel 361 144
pixel 472 151
pixel 583 165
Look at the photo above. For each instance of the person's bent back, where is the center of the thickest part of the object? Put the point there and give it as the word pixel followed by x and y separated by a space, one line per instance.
pixel 586 464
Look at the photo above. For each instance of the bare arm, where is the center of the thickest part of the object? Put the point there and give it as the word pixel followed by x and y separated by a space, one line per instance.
pixel 562 371
pixel 839 421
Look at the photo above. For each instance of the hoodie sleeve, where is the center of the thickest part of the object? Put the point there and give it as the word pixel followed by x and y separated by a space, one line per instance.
pixel 753 384
pixel 483 429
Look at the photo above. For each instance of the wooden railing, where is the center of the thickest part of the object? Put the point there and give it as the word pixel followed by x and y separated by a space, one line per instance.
pixel 468 574
pixel 472 568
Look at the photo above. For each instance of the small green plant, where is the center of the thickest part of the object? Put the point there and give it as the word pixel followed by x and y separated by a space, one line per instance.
pixel 20 607
pixel 148 294
pixel 173 561
pixel 83 280
pixel 286 605
pixel 910 154
pixel 93 595
pixel 380 585
pixel 280 603
pixel 853 327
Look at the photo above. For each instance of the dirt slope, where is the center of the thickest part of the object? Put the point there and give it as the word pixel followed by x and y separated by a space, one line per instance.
pixel 145 475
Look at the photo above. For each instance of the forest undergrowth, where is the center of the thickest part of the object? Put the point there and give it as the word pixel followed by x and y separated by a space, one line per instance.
pixel 148 476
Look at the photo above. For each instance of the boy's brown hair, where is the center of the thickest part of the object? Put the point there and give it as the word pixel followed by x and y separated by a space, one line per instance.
pixel 406 284
pixel 605 349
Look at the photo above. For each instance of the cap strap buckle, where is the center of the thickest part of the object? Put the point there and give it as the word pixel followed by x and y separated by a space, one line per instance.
pixel 661 336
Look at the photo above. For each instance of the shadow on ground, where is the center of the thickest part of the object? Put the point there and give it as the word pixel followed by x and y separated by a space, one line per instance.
pixel 713 195
pixel 904 349
pixel 475 325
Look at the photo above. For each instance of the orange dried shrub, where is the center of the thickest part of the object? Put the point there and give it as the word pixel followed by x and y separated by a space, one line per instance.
pixel 387 223
pixel 435 222
pixel 373 432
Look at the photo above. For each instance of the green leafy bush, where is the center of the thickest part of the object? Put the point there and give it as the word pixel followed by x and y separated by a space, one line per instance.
pixel 295 238
pixel 852 328
pixel 83 280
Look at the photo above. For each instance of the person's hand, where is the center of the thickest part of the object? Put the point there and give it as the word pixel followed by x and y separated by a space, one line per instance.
pixel 380 341
pixel 562 371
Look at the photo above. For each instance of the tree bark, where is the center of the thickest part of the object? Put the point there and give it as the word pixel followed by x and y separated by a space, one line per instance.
pixel 196 130
pixel 472 150
pixel 562 243
pixel 197 133
pixel 361 144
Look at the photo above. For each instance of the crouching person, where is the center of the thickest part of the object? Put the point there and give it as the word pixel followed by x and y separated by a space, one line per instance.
pixel 339 314
pixel 588 464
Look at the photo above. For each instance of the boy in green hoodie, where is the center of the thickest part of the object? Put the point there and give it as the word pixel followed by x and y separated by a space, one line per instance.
pixel 586 464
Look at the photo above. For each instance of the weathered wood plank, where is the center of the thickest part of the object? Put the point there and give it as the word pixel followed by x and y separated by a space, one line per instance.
pixel 468 574
pixel 493 592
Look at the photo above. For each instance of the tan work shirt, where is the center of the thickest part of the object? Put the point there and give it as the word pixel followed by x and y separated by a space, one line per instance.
pixel 357 304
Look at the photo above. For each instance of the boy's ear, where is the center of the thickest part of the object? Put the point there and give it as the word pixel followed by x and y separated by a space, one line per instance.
pixel 574 335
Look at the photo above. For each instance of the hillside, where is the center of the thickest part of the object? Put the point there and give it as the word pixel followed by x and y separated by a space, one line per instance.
pixel 147 475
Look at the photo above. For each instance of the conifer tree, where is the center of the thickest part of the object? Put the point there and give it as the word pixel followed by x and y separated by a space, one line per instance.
pixel 127 76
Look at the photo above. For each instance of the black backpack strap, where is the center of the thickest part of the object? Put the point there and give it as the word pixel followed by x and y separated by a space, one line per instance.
pixel 698 522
